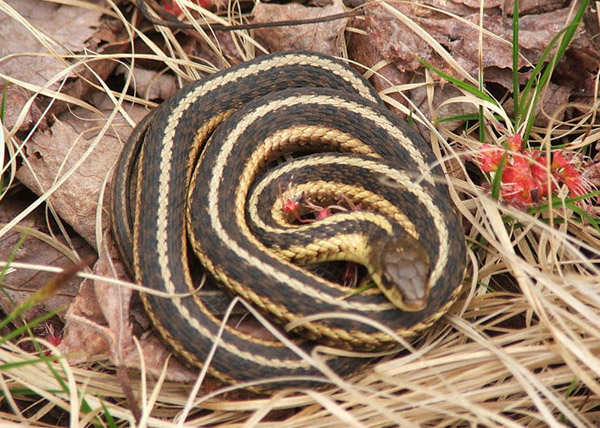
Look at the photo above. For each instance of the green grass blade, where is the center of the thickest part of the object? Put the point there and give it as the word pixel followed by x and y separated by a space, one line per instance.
pixel 467 87
pixel 108 417
pixel 497 181
pixel 27 392
pixel 24 328
pixel 559 202
pixel 570 204
pixel 585 216
pixel 515 59
pixel 481 119
pixel 3 271
pixel 3 105
pixel 567 36
pixel 537 70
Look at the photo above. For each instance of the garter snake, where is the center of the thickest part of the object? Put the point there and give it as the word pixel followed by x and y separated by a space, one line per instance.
pixel 203 171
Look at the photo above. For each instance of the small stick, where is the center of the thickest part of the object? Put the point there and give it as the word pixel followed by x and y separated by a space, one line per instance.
pixel 171 22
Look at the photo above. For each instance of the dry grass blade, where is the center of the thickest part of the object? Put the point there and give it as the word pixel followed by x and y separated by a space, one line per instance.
pixel 520 348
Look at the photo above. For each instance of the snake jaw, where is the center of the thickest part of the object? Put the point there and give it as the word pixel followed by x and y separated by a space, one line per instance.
pixel 404 274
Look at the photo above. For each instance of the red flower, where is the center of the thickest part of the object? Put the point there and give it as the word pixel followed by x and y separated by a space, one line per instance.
pixel 565 173
pixel 515 143
pixel 525 174
pixel 539 169
pixel 490 158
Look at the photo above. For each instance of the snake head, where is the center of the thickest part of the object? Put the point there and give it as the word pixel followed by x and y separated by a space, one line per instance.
pixel 402 273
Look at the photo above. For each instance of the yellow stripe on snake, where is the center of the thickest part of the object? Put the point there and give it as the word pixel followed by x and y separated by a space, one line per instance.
pixel 213 166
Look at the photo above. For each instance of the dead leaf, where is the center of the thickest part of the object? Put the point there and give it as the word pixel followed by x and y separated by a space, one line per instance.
pixel 150 85
pixel 525 6
pixel 554 99
pixel 53 153
pixel 114 302
pixel 69 27
pixel 20 284
pixel 16 102
pixel 228 45
pixel 69 30
pixel 361 48
pixel 86 336
pixel 323 37
pixel 98 321
pixel 155 353
pixel 99 324
pixel 397 44
pixel 460 37
pixel 591 173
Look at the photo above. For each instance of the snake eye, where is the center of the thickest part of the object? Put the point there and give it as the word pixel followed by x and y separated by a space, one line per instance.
pixel 405 274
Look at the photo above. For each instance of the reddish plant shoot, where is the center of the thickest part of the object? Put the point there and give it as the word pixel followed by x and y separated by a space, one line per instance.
pixel 292 206
pixel 526 175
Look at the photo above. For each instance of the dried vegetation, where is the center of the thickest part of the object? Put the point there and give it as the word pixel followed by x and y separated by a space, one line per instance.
pixel 520 348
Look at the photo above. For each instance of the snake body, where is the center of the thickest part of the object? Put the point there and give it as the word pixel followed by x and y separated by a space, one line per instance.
pixel 204 167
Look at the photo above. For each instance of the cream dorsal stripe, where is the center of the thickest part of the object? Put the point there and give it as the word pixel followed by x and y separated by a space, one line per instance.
pixel 188 318
pixel 305 67
pixel 168 143
pixel 226 156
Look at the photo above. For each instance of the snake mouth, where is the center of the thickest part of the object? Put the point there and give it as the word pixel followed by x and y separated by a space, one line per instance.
pixel 415 305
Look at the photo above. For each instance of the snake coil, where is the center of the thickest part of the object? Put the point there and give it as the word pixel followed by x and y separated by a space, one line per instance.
pixel 203 171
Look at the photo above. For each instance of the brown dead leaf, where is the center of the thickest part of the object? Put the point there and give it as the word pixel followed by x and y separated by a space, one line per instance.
pixel 69 30
pixel 361 49
pixel 591 173
pixel 54 152
pixel 16 101
pixel 389 40
pixel 554 99
pixel 20 284
pixel 525 6
pixel 99 324
pixel 86 334
pixel 155 353
pixel 323 37
pixel 150 85
pixel 98 321
pixel 476 3
pixel 114 301
pixel 400 45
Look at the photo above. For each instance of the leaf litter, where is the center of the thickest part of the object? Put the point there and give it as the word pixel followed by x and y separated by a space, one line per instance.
pixel 519 348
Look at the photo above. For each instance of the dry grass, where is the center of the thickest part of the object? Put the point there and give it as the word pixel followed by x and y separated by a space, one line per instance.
pixel 520 348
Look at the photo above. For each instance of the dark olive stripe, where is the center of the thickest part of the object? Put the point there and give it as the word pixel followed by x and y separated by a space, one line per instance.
pixel 209 104
pixel 238 268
